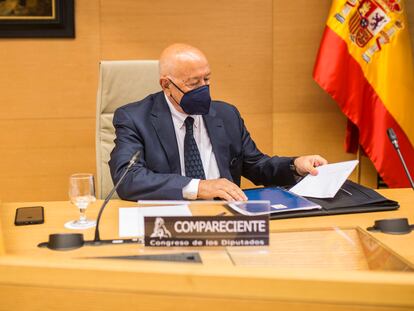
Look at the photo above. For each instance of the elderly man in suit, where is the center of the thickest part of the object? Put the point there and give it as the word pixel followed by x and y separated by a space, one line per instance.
pixel 192 147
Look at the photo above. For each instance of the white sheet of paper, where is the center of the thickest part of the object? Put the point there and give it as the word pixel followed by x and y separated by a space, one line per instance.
pixel 326 184
pixel 131 219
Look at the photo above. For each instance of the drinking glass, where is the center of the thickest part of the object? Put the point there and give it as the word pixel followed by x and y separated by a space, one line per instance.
pixel 81 194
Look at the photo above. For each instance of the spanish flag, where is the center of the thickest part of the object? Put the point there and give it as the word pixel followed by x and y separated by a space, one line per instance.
pixel 365 64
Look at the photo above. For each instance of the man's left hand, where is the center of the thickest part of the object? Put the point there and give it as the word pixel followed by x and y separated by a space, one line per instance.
pixel 307 164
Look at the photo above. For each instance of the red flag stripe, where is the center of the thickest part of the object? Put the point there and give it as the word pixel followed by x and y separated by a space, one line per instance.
pixel 337 72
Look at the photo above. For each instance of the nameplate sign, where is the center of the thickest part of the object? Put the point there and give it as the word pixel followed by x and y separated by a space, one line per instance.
pixel 197 231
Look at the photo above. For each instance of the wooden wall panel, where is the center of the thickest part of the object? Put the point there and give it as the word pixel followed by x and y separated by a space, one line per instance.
pixel 2 247
pixel 44 153
pixel 318 133
pixel 52 78
pixel 47 111
pixel 297 30
pixel 297 98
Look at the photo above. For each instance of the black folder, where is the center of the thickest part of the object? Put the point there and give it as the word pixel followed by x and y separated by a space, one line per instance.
pixel 351 198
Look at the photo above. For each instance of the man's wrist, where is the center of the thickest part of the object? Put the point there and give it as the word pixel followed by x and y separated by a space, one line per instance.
pixel 190 191
pixel 292 166
pixel 294 169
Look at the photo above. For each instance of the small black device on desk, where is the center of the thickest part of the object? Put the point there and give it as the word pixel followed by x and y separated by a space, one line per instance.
pixel 30 215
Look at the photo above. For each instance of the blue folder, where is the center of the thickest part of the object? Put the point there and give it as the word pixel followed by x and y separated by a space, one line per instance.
pixel 281 201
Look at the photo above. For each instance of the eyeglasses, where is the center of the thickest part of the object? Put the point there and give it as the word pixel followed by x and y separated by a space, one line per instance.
pixel 192 83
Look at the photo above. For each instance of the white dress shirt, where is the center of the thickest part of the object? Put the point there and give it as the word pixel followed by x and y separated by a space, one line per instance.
pixel 204 146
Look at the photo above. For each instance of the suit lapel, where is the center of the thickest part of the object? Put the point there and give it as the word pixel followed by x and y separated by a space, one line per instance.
pixel 219 143
pixel 162 121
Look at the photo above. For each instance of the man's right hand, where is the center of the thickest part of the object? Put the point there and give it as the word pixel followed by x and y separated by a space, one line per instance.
pixel 220 188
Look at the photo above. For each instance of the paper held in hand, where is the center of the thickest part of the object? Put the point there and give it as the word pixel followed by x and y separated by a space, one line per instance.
pixel 327 183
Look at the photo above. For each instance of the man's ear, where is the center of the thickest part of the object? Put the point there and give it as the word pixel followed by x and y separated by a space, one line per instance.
pixel 165 84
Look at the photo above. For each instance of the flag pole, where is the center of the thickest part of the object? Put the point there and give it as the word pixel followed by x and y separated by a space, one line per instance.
pixel 359 167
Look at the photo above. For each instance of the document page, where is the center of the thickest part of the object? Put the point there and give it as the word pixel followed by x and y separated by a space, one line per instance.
pixel 326 184
pixel 131 219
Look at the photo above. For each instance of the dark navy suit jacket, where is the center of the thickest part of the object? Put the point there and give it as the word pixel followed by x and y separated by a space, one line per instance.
pixel 147 126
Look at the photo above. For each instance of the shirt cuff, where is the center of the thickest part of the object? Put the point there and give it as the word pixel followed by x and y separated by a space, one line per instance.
pixel 190 191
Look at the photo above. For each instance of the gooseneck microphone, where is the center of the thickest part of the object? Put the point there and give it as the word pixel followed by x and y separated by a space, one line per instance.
pixel 132 162
pixel 393 138
pixel 394 225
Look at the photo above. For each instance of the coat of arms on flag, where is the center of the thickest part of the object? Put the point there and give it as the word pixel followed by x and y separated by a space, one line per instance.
pixel 373 20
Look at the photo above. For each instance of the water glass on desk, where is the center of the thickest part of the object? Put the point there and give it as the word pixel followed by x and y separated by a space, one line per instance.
pixel 81 194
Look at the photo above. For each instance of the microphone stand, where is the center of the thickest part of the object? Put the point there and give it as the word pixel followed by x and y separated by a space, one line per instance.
pixel 394 225
pixel 97 239
pixel 393 138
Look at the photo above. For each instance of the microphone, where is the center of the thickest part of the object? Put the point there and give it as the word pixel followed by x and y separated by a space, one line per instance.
pixel 398 225
pixel 69 241
pixel 393 138
pixel 132 162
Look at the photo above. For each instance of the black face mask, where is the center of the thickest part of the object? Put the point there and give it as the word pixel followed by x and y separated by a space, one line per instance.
pixel 196 101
